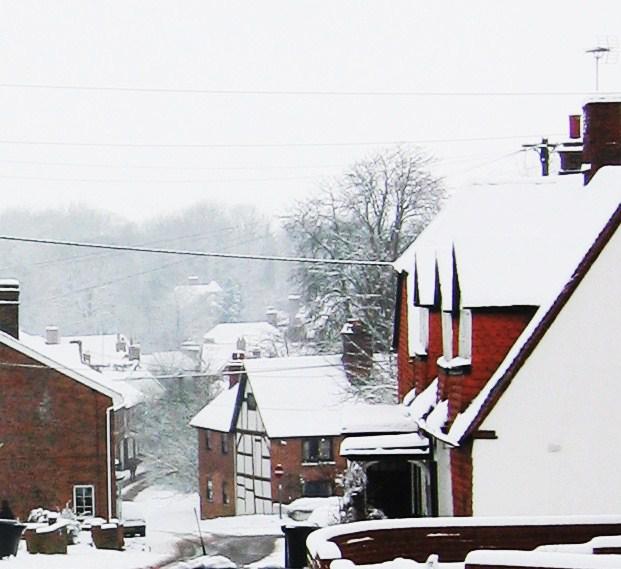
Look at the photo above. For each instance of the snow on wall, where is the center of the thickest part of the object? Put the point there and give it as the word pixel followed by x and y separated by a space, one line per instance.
pixel 558 441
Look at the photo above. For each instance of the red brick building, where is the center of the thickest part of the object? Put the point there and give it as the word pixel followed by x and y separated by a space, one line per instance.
pixel 277 412
pixel 56 441
pixel 472 287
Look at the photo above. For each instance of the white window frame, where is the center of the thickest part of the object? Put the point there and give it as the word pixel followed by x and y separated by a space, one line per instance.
pixel 465 334
pixel 76 489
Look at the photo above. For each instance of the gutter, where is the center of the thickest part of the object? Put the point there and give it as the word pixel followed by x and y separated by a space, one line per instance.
pixel 109 458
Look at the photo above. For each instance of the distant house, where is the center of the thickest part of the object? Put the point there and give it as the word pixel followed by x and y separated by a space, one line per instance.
pixel 256 339
pixel 503 349
pixel 197 307
pixel 277 412
pixel 57 443
pixel 111 360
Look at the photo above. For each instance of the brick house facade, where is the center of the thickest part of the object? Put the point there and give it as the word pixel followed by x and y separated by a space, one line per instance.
pixel 465 303
pixel 56 444
pixel 265 428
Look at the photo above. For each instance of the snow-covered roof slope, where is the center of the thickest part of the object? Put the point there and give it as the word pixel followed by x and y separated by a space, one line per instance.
pixel 31 346
pixel 300 396
pixel 104 349
pixel 218 414
pixel 374 445
pixel 189 293
pixel 133 384
pixel 512 244
pixel 376 418
pixel 221 341
pixel 527 341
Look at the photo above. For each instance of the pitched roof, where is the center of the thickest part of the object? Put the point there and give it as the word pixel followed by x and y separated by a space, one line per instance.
pixel 133 383
pixel 218 414
pixel 300 396
pixel 466 422
pixel 79 372
pixel 529 340
pixel 511 245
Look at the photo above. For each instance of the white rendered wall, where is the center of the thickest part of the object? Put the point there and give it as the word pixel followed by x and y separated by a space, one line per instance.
pixel 559 423
pixel 445 495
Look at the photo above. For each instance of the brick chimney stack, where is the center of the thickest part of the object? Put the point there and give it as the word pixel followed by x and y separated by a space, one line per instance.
pixel 357 350
pixel 602 135
pixel 9 307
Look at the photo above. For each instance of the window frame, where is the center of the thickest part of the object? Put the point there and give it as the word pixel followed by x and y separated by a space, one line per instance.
pixel 209 490
pixel 314 450
pixel 78 507
pixel 224 443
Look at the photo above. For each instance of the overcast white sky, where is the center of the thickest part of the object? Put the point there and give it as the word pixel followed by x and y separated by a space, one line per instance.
pixel 252 145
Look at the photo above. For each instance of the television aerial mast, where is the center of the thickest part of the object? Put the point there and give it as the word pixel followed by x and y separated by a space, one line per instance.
pixel 605 51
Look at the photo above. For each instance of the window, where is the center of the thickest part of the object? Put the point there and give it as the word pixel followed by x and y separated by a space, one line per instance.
pixel 224 443
pixel 209 494
pixel 225 493
pixel 317 450
pixel 252 402
pixel 207 439
pixel 84 500
pixel 317 489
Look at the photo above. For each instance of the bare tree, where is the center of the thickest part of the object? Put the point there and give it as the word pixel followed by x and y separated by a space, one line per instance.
pixel 373 212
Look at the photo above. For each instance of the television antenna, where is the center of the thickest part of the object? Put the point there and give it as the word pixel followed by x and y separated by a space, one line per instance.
pixel 606 51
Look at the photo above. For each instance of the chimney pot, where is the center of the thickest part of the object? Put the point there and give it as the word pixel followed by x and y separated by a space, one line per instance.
pixel 52 335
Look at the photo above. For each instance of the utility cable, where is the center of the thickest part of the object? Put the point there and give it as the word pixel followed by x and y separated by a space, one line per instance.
pixel 362 262
pixel 295 92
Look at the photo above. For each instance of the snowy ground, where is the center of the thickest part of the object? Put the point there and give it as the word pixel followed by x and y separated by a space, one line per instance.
pixel 171 522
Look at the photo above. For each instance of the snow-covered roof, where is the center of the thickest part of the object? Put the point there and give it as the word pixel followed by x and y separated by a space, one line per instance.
pixel 102 348
pixel 300 396
pixel 536 327
pixel 221 341
pixel 218 414
pixel 31 347
pixel 189 293
pixel 373 445
pixel 511 244
pixel 228 332
pixel 132 383
pixel 376 418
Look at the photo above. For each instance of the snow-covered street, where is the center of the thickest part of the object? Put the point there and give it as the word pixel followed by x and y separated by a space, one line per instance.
pixel 172 535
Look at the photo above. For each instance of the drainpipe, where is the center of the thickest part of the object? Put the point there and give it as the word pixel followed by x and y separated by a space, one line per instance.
pixel 109 457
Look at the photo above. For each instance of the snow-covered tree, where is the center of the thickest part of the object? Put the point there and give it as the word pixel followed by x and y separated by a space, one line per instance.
pixel 373 212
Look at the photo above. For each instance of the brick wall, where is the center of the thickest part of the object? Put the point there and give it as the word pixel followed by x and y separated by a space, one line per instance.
pixel 405 369
pixel 219 467
pixel 53 436
pixel 416 371
pixel 452 541
pixel 289 455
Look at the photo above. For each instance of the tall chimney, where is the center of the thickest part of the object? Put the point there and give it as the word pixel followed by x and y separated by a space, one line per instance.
pixel 357 355
pixel 602 135
pixel 9 307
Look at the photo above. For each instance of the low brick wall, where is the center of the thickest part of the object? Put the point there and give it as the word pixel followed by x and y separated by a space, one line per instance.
pixel 449 538
pixel 539 560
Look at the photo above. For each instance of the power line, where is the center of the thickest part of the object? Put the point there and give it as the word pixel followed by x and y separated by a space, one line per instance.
pixel 265 145
pixel 294 92
pixel 152 181
pixel 362 262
